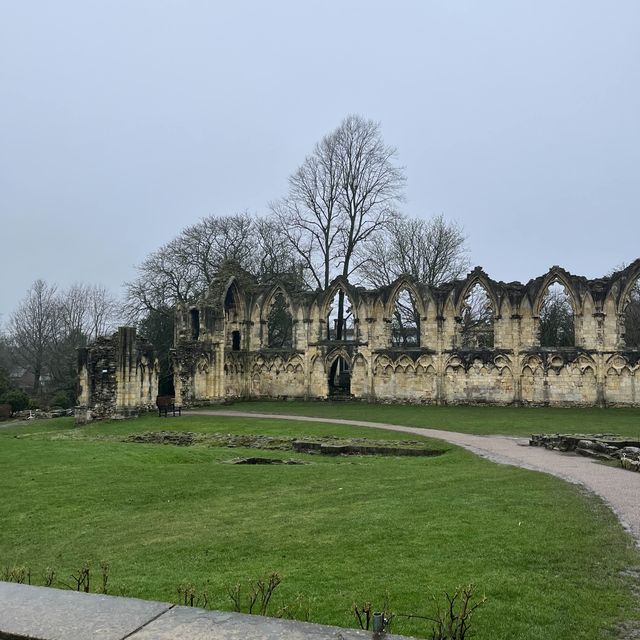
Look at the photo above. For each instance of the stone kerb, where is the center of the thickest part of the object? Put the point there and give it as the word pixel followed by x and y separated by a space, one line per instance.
pixel 41 613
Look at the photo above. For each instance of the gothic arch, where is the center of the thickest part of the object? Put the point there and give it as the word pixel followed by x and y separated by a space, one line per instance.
pixel 632 277
pixel 475 325
pixel 327 296
pixel 351 297
pixel 234 299
pixel 477 278
pixel 560 276
pixel 408 283
pixel 269 297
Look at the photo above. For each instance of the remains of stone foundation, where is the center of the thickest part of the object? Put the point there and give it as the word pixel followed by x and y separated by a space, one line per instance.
pixel 606 447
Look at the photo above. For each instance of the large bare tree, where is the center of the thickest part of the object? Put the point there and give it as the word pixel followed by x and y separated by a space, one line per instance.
pixel 310 215
pixel 342 195
pixel 345 192
pixel 35 327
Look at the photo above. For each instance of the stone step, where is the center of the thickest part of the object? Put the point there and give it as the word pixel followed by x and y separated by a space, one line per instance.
pixel 41 613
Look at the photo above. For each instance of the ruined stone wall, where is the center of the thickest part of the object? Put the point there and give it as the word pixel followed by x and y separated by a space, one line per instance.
pixel 118 377
pixel 223 351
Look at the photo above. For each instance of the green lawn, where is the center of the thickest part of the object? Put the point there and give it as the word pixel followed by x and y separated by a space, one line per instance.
pixel 487 420
pixel 549 558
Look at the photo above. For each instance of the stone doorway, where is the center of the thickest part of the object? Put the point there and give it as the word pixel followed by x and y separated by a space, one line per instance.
pixel 340 377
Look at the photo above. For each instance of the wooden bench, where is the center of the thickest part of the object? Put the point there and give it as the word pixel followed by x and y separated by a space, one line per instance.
pixel 167 404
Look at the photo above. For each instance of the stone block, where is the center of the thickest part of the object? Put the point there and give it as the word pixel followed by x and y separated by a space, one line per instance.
pixel 184 623
pixel 39 613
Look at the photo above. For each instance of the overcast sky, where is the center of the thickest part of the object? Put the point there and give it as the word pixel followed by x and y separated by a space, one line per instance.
pixel 121 122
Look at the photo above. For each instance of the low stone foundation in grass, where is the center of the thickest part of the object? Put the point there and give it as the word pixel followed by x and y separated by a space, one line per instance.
pixel 607 447
pixel 323 445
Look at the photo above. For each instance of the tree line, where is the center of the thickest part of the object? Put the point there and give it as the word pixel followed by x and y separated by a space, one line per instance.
pixel 38 351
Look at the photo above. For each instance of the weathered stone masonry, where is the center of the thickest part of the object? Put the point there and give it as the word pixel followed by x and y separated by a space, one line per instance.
pixel 118 377
pixel 222 346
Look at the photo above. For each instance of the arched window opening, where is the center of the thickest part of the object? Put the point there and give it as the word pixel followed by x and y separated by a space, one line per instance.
pixel 476 319
pixel 235 341
pixel 195 324
pixel 279 324
pixel 405 322
pixel 557 318
pixel 339 378
pixel 231 304
pixel 632 318
pixel 340 324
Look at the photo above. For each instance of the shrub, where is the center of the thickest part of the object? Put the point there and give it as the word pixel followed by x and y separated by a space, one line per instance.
pixel 61 399
pixel 18 400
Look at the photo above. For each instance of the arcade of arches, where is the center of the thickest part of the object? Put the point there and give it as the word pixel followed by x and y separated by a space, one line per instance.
pixel 559 339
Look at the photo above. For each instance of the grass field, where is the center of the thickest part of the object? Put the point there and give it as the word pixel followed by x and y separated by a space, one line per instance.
pixel 553 562
pixel 483 420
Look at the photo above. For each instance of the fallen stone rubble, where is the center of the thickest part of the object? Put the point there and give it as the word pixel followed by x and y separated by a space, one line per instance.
pixel 39 414
pixel 606 447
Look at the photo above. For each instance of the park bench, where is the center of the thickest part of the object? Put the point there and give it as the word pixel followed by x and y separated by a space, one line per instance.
pixel 167 404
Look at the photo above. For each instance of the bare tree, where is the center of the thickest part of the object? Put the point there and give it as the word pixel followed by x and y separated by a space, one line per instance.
pixel 212 240
pixel 275 260
pixel 343 194
pixel 35 327
pixel 102 312
pixel 310 214
pixel 371 185
pixel 433 251
pixel 181 270
pixel 340 197
pixel 73 308
pixel 165 277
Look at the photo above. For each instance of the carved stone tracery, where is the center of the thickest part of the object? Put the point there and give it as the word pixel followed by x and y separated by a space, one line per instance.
pixel 436 367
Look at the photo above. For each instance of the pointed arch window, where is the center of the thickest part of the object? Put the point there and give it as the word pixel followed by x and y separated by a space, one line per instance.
pixel 405 321
pixel 279 323
pixel 340 320
pixel 557 318
pixel 231 303
pixel 476 319
pixel 632 317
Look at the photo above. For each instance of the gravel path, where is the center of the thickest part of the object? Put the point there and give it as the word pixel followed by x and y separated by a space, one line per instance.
pixel 619 488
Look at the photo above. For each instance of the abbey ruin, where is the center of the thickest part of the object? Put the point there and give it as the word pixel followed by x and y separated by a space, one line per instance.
pixel 248 340
pixel 226 348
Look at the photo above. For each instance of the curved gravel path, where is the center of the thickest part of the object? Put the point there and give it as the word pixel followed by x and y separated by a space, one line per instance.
pixel 619 488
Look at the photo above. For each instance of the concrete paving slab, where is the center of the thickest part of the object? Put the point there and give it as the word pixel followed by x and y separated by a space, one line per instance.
pixel 184 623
pixel 54 614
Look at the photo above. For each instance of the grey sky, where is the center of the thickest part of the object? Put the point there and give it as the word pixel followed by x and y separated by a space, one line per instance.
pixel 121 122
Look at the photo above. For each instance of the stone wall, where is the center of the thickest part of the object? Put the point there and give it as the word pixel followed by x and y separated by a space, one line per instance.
pixel 118 377
pixel 222 347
